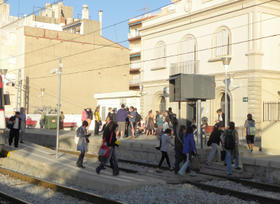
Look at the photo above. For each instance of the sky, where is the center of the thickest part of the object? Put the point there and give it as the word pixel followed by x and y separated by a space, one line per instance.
pixel 114 12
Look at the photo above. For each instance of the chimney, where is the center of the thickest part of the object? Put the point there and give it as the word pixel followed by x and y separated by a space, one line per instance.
pixel 100 20
pixel 85 13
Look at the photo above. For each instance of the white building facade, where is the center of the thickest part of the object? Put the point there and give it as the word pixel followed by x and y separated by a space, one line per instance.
pixel 192 36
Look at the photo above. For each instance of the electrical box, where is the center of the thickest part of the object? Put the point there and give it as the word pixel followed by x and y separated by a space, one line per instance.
pixel 190 87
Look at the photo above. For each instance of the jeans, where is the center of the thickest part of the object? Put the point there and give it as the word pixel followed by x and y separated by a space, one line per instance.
pixel 228 161
pixel 81 159
pixel 236 165
pixel 183 169
pixel 113 162
pixel 214 151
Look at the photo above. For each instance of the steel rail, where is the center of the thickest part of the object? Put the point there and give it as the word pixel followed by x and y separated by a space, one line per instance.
pixel 12 198
pixel 90 197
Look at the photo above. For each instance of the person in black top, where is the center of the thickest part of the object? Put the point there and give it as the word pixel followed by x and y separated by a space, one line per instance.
pixel 214 142
pixel 14 124
pixel 109 135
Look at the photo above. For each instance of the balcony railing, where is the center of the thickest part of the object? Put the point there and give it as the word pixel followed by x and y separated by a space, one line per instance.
pixel 135 50
pixel 134 34
pixel 134 82
pixel 186 67
pixel 135 65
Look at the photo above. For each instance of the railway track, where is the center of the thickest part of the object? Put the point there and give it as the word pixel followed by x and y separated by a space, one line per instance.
pixel 221 190
pixel 89 197
pixel 6 198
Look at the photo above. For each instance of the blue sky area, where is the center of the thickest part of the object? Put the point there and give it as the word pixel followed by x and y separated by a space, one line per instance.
pixel 113 12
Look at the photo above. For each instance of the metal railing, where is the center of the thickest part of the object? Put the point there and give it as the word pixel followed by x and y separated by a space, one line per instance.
pixel 186 67
pixel 271 111
pixel 135 65
pixel 134 34
pixel 135 50
pixel 134 82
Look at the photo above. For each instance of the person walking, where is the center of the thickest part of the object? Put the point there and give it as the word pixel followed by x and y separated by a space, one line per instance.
pixel 97 120
pixel 150 123
pixel 22 125
pixel 109 135
pixel 250 132
pixel 228 140
pixel 236 146
pixel 132 123
pixel 164 144
pixel 42 119
pixel 159 121
pixel 188 148
pixel 121 121
pixel 15 123
pixel 179 156
pixel 221 118
pixel 83 141
pixel 214 142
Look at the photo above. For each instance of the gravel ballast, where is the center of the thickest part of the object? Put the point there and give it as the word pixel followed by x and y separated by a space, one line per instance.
pixel 33 193
pixel 239 187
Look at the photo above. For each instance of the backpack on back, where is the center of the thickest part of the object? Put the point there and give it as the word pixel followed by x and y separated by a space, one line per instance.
pixel 229 140
pixel 251 127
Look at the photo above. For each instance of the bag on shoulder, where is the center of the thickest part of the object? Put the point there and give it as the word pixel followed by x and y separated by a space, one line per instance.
pixel 229 140
pixel 251 128
pixel 10 123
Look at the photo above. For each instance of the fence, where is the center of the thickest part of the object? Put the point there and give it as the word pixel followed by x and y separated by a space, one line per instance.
pixel 271 111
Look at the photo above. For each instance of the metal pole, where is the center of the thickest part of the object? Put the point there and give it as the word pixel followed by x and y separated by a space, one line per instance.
pixel 226 94
pixel 179 112
pixel 199 123
pixel 59 70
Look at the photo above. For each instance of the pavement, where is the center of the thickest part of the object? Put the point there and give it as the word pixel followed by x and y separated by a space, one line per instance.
pixel 41 162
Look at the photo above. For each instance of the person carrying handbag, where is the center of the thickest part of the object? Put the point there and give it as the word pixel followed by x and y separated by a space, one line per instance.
pixel 188 148
pixel 83 141
pixel 110 140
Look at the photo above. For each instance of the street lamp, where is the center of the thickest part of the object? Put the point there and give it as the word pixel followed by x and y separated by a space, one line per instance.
pixel 58 71
pixel 226 62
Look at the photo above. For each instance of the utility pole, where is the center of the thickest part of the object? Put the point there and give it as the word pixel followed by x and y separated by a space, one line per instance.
pixel 19 90
pixel 58 71
pixel 58 104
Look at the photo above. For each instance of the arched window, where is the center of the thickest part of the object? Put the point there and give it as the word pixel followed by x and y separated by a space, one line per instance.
pixel 188 48
pixel 222 42
pixel 160 55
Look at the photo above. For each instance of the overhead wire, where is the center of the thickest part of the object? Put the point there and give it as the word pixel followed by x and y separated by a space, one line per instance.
pixel 85 51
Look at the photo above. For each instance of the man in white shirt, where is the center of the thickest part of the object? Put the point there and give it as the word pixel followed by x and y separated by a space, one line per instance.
pixel 14 133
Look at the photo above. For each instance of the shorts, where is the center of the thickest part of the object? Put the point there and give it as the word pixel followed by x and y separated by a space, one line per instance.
pixel 121 126
pixel 250 139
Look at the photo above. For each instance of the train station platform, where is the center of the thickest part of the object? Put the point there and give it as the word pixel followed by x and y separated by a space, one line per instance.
pixel 142 149
pixel 41 162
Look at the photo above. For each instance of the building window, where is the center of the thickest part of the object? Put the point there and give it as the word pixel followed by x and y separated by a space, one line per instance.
pixel 188 49
pixel 160 55
pixel 222 42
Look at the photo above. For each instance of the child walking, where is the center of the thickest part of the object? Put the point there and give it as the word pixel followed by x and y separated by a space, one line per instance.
pixel 165 142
